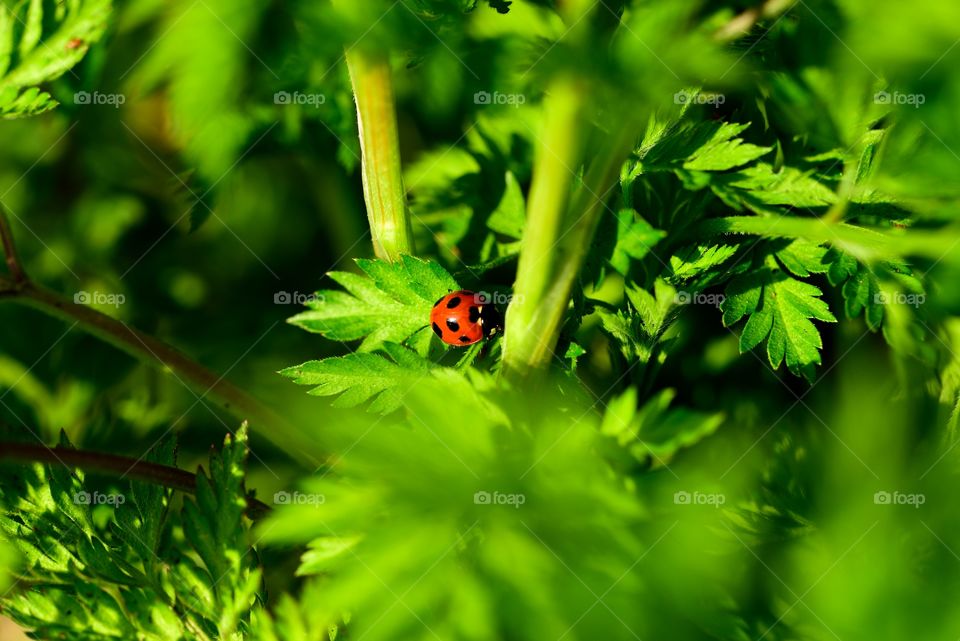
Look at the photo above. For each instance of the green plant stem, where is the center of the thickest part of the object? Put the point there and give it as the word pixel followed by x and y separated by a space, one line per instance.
pixel 560 229
pixel 530 319
pixel 864 243
pixel 383 191
pixel 113 465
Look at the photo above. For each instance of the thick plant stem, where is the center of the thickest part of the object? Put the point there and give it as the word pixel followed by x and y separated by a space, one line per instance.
pixel 113 465
pixel 383 190
pixel 544 317
pixel 533 316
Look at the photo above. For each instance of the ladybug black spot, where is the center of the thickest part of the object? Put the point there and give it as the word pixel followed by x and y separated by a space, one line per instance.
pixel 439 300
pixel 464 339
pixel 453 302
pixel 474 314
pixel 453 325
pixel 437 331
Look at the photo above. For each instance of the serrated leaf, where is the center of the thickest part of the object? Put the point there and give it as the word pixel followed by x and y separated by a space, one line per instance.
pixel 760 188
pixel 695 260
pixel 802 258
pixel 360 377
pixel 725 151
pixel 214 526
pixel 705 146
pixel 388 303
pixel 40 45
pixel 780 309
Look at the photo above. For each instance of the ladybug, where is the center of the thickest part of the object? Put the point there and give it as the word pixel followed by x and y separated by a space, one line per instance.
pixel 463 317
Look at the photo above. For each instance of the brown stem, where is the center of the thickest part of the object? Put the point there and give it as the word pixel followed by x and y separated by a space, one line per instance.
pixel 10 249
pixel 111 464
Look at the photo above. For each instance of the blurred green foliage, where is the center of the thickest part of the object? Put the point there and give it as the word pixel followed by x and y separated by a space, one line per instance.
pixel 199 161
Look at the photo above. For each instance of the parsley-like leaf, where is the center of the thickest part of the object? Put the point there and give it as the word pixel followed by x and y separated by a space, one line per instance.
pixel 360 377
pixel 387 303
pixel 780 310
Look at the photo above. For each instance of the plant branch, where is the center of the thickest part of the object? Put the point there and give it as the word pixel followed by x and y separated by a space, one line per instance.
pixel 153 351
pixel 111 464
pixel 383 191
pixel 10 249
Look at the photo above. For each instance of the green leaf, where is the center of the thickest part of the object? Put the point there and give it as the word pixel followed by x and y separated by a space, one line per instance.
pixel 360 377
pixel 761 188
pixel 388 303
pixel 802 258
pixel 635 239
pixel 214 525
pixel 696 260
pixel 39 43
pixel 639 329
pixel 509 216
pixel 655 431
pixel 705 146
pixel 780 309
pixel 859 286
pixel 724 151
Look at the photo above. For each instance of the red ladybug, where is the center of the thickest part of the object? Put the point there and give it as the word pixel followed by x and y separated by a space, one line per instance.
pixel 463 317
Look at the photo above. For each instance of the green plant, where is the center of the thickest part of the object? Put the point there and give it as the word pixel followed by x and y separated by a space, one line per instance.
pixel 723 403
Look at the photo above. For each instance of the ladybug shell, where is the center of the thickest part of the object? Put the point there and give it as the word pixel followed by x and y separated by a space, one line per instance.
pixel 462 318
